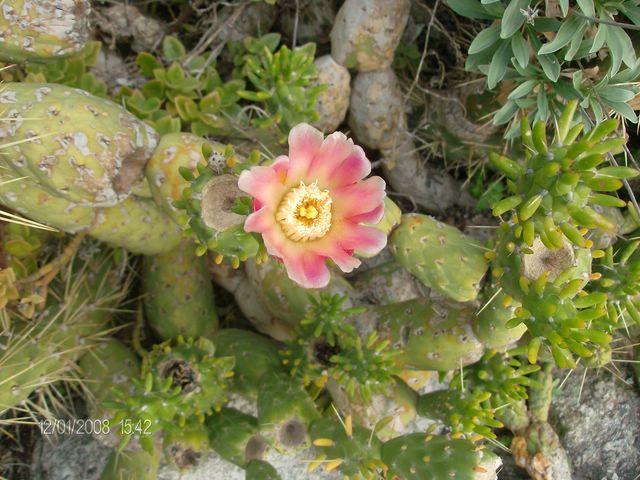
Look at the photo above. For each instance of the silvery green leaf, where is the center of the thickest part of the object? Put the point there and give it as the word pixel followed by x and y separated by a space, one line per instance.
pixel 520 49
pixel 513 18
pixel 485 39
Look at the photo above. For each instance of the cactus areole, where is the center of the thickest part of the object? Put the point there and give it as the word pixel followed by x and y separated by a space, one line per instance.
pixel 310 206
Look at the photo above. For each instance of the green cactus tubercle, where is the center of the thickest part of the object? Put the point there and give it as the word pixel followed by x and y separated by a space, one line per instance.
pixel 555 188
pixel 192 367
pixel 209 217
pixel 461 411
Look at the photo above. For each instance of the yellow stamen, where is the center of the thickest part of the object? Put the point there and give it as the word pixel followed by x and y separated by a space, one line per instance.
pixel 314 464
pixel 348 425
pixel 333 464
pixel 305 213
pixel 323 442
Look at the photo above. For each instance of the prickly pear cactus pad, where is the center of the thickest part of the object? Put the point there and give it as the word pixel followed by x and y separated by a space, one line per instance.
pixel 131 465
pixel 138 225
pixel 419 456
pixel 79 308
pixel 285 411
pixel 430 335
pixel 187 447
pixel 43 30
pixel 440 256
pixel 33 201
pixel 179 295
pixel 81 148
pixel 254 355
pixel 235 436
pixel 261 470
pixel 110 366
pixel 175 156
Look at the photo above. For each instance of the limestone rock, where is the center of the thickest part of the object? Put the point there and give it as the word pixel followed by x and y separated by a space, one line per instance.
pixel 111 69
pixel 332 104
pixel 599 424
pixel 376 111
pixel 387 283
pixel 124 21
pixel 430 188
pixel 366 33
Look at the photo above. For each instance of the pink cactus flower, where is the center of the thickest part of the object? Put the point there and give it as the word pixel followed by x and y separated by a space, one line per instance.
pixel 310 206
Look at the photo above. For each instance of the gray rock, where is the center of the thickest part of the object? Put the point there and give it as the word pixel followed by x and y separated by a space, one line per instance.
pixel 111 69
pixel 387 283
pixel 332 104
pixel 598 423
pixel 432 189
pixel 376 111
pixel 126 21
pixel 366 33
pixel 70 457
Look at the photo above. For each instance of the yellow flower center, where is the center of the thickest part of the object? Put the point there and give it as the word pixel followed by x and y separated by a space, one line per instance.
pixel 305 213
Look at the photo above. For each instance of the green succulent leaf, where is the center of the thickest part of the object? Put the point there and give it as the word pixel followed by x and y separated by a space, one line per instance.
pixel 172 48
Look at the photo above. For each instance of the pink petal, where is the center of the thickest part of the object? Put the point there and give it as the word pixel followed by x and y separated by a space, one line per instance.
pixel 262 183
pixel 307 269
pixel 345 260
pixel 352 236
pixel 333 151
pixel 260 221
pixel 353 169
pixel 281 167
pixel 263 221
pixel 275 242
pixel 304 143
pixel 357 199
pixel 373 217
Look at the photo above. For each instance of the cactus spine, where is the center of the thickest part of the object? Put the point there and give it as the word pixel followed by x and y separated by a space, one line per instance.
pixel 41 351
